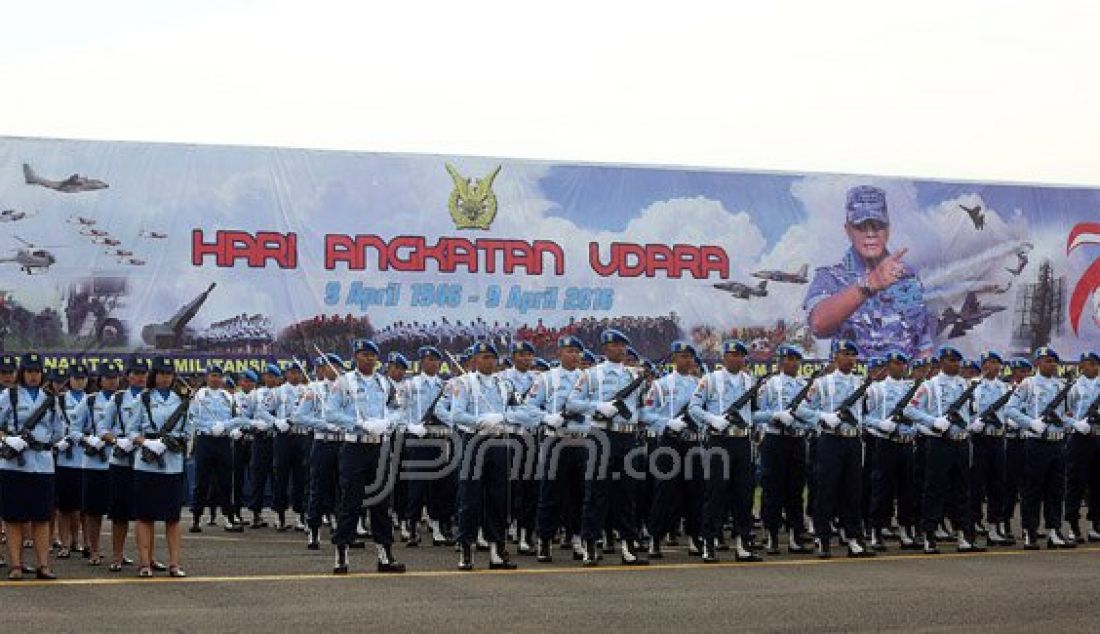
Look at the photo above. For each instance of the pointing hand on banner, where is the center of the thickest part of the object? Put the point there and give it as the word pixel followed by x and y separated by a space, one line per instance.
pixel 888 271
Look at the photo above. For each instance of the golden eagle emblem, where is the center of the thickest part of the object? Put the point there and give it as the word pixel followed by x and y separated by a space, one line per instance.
pixel 472 203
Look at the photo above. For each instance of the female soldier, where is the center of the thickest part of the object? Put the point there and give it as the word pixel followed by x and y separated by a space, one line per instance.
pixel 118 428
pixel 28 431
pixel 72 411
pixel 95 485
pixel 158 472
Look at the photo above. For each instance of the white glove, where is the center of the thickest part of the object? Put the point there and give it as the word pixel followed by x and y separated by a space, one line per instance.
pixel 784 418
pixel 375 426
pixel 261 425
pixel 1082 426
pixel 95 442
pixel 418 430
pixel 677 424
pixel 154 446
pixel 607 409
pixel 941 424
pixel 975 427
pixel 282 425
pixel 718 423
pixel 124 444
pixel 887 426
pixel 217 428
pixel 236 434
pixel 1037 425
pixel 831 420
pixel 490 421
pixel 553 420
pixel 333 428
pixel 62 445
pixel 15 442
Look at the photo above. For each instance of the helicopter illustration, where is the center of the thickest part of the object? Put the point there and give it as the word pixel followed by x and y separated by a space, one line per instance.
pixel 32 257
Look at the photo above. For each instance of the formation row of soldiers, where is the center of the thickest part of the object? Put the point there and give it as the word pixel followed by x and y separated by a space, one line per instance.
pixel 597 450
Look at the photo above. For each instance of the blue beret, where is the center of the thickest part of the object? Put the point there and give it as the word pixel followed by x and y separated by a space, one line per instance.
pixel 971 363
pixel 396 358
pixel 876 362
pixel 588 357
pixel 163 365
pixel 683 346
pixel 137 365
pixel 898 355
pixel 506 362
pixel 1047 351
pixel 302 365
pixel 787 350
pixel 272 369
pixel 79 371
pixel 1020 363
pixel 57 374
pixel 31 361
pixel 251 376
pixel 429 351
pixel 990 355
pixel 365 345
pixel 541 364
pixel 844 345
pixel 736 346
pixel 569 341
pixel 613 336
pixel 229 382
pixel 920 362
pixel 522 346
pixel 483 347
pixel 866 203
pixel 1090 356
pixel 108 370
pixel 214 368
pixel 949 351
pixel 8 363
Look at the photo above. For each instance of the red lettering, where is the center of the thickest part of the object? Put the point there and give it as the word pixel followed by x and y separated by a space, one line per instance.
pixel 230 246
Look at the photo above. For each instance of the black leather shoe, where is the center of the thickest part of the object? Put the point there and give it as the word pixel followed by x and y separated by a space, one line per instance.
pixel 822 550
pixel 466 559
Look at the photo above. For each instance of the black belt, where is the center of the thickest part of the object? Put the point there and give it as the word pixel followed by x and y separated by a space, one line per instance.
pixel 34 445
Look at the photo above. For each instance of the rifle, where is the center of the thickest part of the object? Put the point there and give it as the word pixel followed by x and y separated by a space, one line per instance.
pixel 429 416
pixel 68 426
pixel 952 414
pixel 844 411
pixel 172 443
pixel 6 452
pixel 90 451
pixel 988 416
pixel 1093 412
pixel 897 414
pixel 1049 414
pixel 733 412
pixel 803 393
pixel 618 400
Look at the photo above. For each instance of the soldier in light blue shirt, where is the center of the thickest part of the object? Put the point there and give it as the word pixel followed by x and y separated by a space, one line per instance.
pixel 525 487
pixel 29 428
pixel 72 410
pixel 947 452
pixel 213 415
pixel 96 485
pixel 679 439
pixel 324 470
pixel 1083 452
pixel 363 404
pixel 118 428
pixel 1043 423
pixel 987 442
pixel 783 452
pixel 729 475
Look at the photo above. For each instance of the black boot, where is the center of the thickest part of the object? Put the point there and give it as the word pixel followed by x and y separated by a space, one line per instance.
pixel 1056 540
pixel 710 551
pixel 742 553
pixel 543 556
pixel 655 548
pixel 280 524
pixel 591 554
pixel 773 543
pixel 930 544
pixel 414 535
pixel 858 550
pixel 968 543
pixel 196 524
pixel 386 560
pixel 796 547
pixel 466 559
pixel 822 549
pixel 631 555
pixel 498 557
pixel 878 542
pixel 257 520
pixel 341 566
pixel 313 539
pixel 525 547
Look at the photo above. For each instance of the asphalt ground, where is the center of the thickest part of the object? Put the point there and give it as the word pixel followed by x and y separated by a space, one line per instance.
pixel 265 580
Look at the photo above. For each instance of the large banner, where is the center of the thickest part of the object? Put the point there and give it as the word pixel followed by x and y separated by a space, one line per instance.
pixel 245 253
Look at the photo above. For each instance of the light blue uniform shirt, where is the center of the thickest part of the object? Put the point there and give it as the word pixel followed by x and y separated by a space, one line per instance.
pixel 161 406
pixel 357 397
pixel 418 393
pixel 1030 399
pixel 48 430
pixel 599 384
pixel 667 396
pixel 933 399
pixel 310 412
pixel 123 419
pixel 95 421
pixel 548 396
pixel 776 396
pixel 213 406
pixel 72 410
pixel 880 400
pixel 717 391
pixel 477 394
pixel 829 392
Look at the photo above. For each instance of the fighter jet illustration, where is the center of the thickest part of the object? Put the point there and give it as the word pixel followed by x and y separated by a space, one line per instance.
pixel 104 240
pixel 94 233
pixel 119 253
pixel 80 220
pixel 744 291
pixel 11 215
pixel 1022 256
pixel 976 215
pixel 971 314
pixel 71 185
pixel 799 277
pixel 156 235
pixel 132 261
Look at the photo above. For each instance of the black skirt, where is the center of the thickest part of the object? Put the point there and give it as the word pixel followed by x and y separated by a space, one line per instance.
pixel 95 492
pixel 158 497
pixel 69 488
pixel 121 495
pixel 28 497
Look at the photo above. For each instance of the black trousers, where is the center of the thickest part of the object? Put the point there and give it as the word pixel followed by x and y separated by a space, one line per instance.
pixel 242 457
pixel 562 465
pixel 782 480
pixel 291 470
pixel 263 453
pixel 839 477
pixel 363 471
pixel 609 497
pixel 811 475
pixel 892 484
pixel 1015 457
pixel 987 483
pixel 1044 483
pixel 729 486
pixel 525 485
pixel 483 488
pixel 1083 470
pixel 431 487
pixel 946 484
pixel 213 474
pixel 677 488
pixel 324 479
